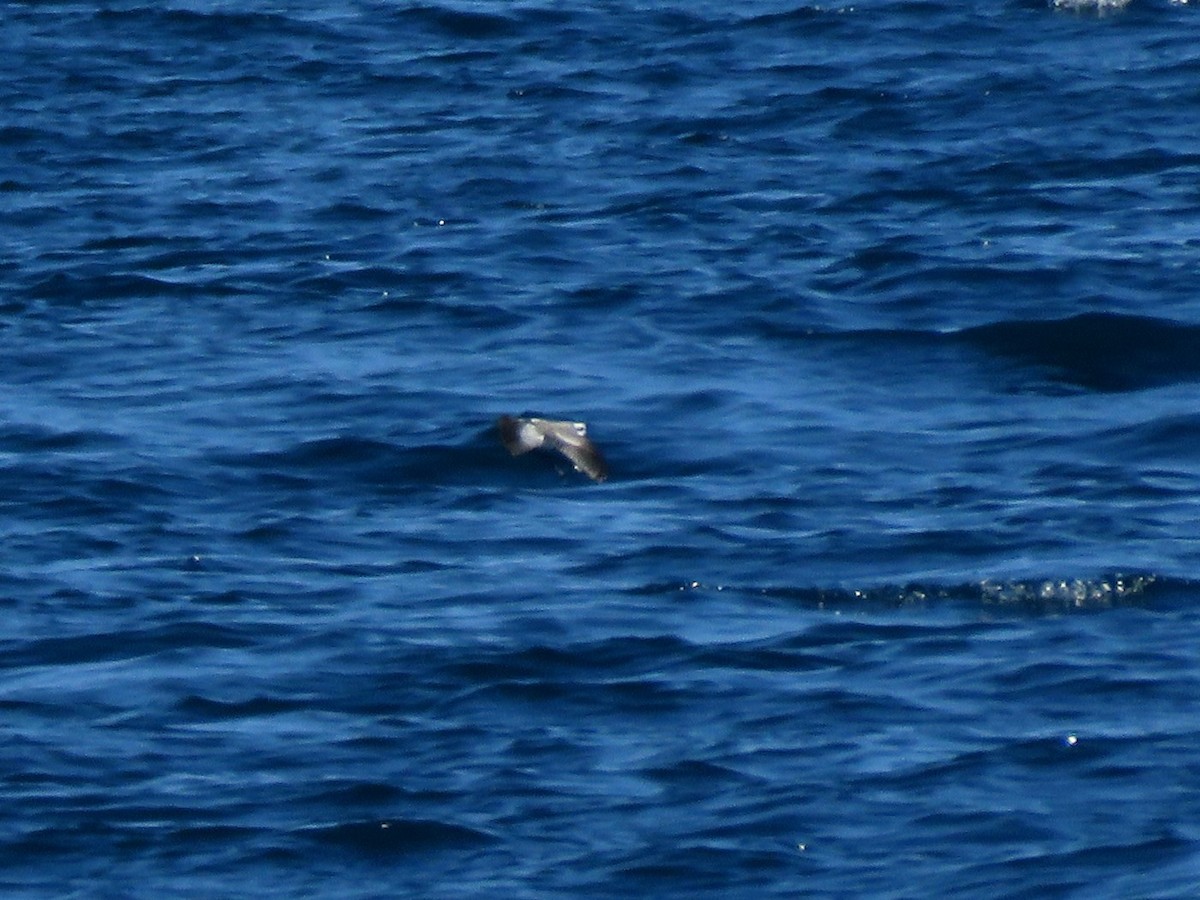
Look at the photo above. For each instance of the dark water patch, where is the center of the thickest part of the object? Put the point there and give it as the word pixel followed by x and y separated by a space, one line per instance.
pixel 120 243
pixel 1063 681
pixel 275 530
pixel 221 26
pixel 703 867
pixel 455 23
pixel 354 211
pixel 320 463
pixel 21 135
pixel 22 439
pixel 337 452
pixel 348 462
pixel 609 657
pixel 81 486
pixel 699 774
pixel 800 18
pixel 161 251
pixel 605 297
pixel 1067 872
pixel 220 837
pixel 639 696
pixel 1104 352
pixel 551 93
pixel 422 294
pixel 208 708
pixel 1095 351
pixel 861 706
pixel 197 259
pixel 775 655
pixel 70 288
pixel 123 645
pixel 370 793
pixel 1160 440
pixel 431 298
pixel 220 598
pixel 396 837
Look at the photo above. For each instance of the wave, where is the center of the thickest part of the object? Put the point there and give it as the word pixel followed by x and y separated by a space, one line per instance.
pixel 1037 596
pixel 1089 5
pixel 355 463
pixel 1102 6
pixel 472 25
pixel 1098 351
pixel 394 836
pixel 217 25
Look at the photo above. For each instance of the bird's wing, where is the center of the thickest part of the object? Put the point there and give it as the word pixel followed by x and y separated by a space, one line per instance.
pixel 570 439
pixel 519 435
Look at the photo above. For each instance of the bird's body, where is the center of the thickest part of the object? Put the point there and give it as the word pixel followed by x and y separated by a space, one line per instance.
pixel 520 435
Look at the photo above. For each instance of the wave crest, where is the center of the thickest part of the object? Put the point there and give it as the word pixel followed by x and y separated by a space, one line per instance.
pixel 1038 595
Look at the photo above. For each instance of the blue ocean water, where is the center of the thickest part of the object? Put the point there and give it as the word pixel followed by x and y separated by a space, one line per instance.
pixel 884 315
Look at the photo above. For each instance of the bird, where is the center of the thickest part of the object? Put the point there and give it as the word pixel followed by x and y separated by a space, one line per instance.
pixel 520 435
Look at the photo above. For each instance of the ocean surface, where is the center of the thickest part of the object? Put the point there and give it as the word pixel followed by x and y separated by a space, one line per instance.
pixel 886 316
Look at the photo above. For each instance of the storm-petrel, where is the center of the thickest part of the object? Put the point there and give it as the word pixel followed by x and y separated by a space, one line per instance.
pixel 520 435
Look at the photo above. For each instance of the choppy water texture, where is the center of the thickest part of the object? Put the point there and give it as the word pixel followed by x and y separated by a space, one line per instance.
pixel 885 316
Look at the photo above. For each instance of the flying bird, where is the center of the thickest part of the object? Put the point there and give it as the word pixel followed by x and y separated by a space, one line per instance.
pixel 520 435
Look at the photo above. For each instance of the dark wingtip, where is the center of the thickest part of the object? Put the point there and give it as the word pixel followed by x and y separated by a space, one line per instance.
pixel 588 460
pixel 598 469
pixel 507 428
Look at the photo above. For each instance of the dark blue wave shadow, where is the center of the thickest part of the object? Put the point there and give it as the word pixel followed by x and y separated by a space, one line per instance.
pixel 1106 352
